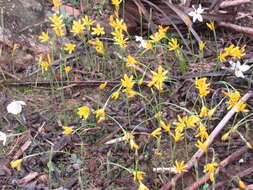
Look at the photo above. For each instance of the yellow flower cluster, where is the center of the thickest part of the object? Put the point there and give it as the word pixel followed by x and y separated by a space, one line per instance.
pixel 233 51
pixel 234 100
pixel 44 63
pixel 57 24
pixel 158 78
pixel 210 168
pixel 119 27
pixel 128 84
pixel 138 176
pixel 159 35
pixel 202 86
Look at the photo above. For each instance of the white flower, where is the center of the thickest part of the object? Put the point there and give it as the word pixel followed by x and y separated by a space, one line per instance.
pixel 3 137
pixel 138 38
pixel 143 43
pixel 196 13
pixel 15 107
pixel 238 68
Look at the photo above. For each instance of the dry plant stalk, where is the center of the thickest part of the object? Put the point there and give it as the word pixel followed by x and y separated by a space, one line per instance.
pixel 225 4
pixel 243 29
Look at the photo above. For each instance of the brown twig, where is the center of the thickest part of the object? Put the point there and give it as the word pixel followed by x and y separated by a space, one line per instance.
pixel 212 136
pixel 243 29
pixel 223 163
pixel 226 4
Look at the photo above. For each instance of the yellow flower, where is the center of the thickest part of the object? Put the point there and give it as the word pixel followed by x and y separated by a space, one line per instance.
pixel 166 127
pixel 57 21
pixel 223 56
pixel 83 112
pixel 205 112
pixel 162 31
pixel 118 24
pixel 98 30
pixel 58 31
pixel 142 186
pixel 127 82
pixel 211 169
pixel 57 24
pixel 119 39
pixel 156 132
pixel 130 92
pixel 115 95
pixel 102 86
pixel 70 47
pixel 100 113
pixel 67 130
pixel 202 132
pixel 44 63
pixel 178 136
pixel 233 98
pixel 158 78
pixel 180 166
pixel 16 164
pixel 202 86
pixel 155 37
pixel 191 121
pixel 77 27
pixel 130 138
pixel 241 107
pixel 116 2
pixel 202 145
pixel 158 153
pixel 131 62
pixel 173 44
pixel 236 52
pixel 133 145
pixel 241 184
pixel 210 26
pixel 57 3
pixel 99 46
pixel 138 175
pixel 225 136
pixel 87 22
pixel 202 46
pixel 68 69
pixel 44 37
pixel 15 46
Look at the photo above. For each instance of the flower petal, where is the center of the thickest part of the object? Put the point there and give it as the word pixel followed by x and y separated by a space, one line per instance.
pixel 244 68
pixel 239 73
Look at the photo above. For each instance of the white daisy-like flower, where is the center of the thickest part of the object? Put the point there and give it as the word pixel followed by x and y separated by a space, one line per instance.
pixel 196 13
pixel 3 137
pixel 238 68
pixel 143 43
pixel 15 107
pixel 138 38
